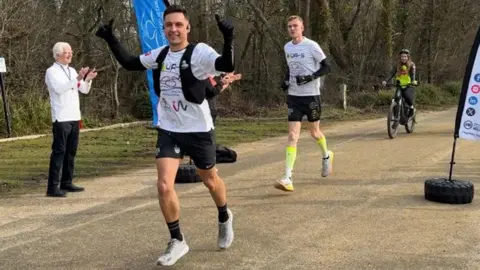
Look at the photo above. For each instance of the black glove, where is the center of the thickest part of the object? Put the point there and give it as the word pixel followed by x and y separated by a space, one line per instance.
pixel 285 85
pixel 105 31
pixel 304 79
pixel 225 26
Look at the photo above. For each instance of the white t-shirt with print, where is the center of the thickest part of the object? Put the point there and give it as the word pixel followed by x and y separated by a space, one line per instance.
pixel 304 59
pixel 175 113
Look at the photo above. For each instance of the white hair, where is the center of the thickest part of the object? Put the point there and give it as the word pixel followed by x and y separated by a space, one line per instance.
pixel 58 49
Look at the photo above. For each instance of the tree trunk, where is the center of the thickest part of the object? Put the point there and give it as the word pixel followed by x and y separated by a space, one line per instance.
pixel 203 21
pixel 324 22
pixel 388 31
pixel 306 18
pixel 115 94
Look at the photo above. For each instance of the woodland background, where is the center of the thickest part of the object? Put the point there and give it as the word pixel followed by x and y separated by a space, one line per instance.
pixel 361 37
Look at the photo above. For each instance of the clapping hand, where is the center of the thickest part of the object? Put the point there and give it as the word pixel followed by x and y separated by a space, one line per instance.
pixel 86 74
pixel 230 77
pixel 82 73
pixel 91 75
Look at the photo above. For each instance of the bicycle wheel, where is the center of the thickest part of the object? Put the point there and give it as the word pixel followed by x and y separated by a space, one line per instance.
pixel 410 125
pixel 392 121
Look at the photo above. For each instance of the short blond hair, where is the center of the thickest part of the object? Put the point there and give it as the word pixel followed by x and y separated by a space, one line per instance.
pixel 294 17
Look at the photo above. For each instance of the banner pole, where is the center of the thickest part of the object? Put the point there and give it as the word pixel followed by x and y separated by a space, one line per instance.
pixel 452 161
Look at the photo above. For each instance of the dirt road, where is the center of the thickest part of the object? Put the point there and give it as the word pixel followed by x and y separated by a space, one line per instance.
pixel 369 215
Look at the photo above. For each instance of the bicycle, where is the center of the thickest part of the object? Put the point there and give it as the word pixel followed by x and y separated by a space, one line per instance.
pixel 398 113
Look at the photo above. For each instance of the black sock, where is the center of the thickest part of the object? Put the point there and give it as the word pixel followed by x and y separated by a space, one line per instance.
pixel 222 213
pixel 174 228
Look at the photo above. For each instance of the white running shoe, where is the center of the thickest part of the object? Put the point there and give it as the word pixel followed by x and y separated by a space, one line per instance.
pixel 284 184
pixel 225 232
pixel 176 249
pixel 327 164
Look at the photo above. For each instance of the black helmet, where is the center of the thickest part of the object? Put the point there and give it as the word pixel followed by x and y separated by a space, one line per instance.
pixel 406 51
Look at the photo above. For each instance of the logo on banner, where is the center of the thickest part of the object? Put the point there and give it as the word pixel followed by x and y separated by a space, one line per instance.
pixel 476 89
pixel 477 77
pixel 468 124
pixel 470 111
pixel 473 100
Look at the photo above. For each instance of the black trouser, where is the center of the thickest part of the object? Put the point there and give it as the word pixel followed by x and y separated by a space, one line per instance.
pixel 409 95
pixel 64 149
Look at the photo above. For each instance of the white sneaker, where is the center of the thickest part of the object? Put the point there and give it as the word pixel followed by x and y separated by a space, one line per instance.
pixel 175 250
pixel 284 184
pixel 327 164
pixel 225 232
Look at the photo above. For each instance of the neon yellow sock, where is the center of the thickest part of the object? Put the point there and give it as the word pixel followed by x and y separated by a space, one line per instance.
pixel 290 160
pixel 322 142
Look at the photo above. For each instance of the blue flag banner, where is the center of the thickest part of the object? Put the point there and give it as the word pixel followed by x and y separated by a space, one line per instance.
pixel 149 14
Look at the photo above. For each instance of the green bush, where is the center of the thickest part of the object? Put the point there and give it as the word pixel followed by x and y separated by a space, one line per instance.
pixel 143 106
pixel 363 100
pixel 384 97
pixel 453 88
pixel 426 95
pixel 30 114
pixel 432 95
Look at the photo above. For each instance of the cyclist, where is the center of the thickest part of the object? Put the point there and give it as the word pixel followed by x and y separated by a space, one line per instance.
pixel 405 77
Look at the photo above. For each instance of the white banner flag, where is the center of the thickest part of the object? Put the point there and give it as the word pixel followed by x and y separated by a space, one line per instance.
pixel 467 124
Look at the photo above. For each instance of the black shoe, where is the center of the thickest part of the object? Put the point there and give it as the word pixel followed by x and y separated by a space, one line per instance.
pixel 411 112
pixel 71 188
pixel 56 193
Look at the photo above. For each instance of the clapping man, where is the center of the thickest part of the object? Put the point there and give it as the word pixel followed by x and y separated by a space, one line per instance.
pixel 64 83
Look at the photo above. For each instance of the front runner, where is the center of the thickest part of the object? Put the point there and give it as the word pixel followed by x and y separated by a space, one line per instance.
pixel 180 72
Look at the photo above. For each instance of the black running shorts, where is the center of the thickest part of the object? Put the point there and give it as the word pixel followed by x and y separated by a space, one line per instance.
pixel 199 146
pixel 298 106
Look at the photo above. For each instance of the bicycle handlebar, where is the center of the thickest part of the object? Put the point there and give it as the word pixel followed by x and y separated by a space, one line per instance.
pixel 396 85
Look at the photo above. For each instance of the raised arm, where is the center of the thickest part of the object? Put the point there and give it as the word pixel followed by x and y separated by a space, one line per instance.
pixel 123 56
pixel 225 62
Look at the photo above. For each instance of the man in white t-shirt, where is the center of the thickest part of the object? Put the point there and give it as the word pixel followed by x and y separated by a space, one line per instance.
pixel 306 64
pixel 64 84
pixel 180 74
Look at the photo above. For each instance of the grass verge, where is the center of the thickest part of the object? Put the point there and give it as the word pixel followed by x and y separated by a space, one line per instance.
pixel 24 163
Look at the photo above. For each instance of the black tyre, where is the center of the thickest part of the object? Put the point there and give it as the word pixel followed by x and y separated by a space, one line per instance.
pixel 187 173
pixel 410 125
pixel 452 192
pixel 392 125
